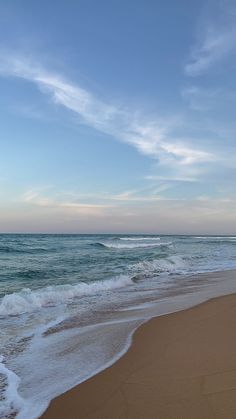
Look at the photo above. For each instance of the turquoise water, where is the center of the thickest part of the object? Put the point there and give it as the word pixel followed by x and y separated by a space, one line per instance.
pixel 38 261
pixel 59 293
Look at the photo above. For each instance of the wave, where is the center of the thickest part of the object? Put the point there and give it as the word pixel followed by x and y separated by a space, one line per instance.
pixel 226 240
pixel 9 249
pixel 12 250
pixel 132 245
pixel 27 300
pixel 139 238
pixel 215 237
pixel 171 264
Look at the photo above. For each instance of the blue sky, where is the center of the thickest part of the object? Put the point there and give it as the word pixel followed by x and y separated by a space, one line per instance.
pixel 118 116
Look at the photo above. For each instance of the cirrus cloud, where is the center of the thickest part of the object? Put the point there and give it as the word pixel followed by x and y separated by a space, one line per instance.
pixel 151 138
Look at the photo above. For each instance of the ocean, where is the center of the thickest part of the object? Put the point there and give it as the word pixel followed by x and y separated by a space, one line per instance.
pixel 69 304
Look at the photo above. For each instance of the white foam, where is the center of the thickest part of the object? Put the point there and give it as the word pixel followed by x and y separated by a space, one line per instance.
pixel 88 350
pixel 139 238
pixel 172 264
pixel 12 402
pixel 215 237
pixel 26 300
pixel 133 245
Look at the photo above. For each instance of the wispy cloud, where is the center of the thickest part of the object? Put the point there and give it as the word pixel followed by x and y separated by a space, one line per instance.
pixel 36 198
pixel 165 215
pixel 93 202
pixel 212 49
pixel 216 40
pixel 151 138
pixel 171 178
pixel 143 195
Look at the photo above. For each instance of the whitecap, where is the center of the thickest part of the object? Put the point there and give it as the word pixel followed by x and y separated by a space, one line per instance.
pixel 139 238
pixel 111 245
pixel 26 300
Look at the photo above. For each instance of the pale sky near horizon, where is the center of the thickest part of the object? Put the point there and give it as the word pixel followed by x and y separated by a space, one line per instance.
pixel 118 116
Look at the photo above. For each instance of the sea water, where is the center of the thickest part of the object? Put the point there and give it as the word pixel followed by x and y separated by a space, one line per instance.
pixel 70 303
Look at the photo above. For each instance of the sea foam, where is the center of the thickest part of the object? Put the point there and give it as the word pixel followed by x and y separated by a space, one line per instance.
pixel 172 264
pixel 139 238
pixel 11 402
pixel 28 300
pixel 113 245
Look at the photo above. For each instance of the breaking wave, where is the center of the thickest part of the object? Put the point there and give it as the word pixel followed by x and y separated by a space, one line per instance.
pixel 216 237
pixel 171 264
pixel 139 238
pixel 26 300
pixel 132 245
pixel 221 240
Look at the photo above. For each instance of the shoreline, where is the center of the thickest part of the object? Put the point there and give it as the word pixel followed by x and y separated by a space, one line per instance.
pixel 130 387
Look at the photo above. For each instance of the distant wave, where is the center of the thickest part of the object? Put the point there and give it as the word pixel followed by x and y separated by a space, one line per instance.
pixel 217 240
pixel 12 249
pixel 215 237
pixel 27 300
pixel 9 249
pixel 132 245
pixel 139 238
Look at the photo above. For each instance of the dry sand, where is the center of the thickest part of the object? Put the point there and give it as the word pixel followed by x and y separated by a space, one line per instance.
pixel 180 366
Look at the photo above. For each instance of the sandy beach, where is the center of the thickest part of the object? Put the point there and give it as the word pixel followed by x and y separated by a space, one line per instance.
pixel 179 366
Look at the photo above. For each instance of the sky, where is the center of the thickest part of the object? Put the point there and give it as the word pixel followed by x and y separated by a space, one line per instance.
pixel 118 116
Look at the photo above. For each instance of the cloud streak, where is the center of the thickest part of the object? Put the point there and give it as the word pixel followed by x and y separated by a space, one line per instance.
pixel 35 198
pixel 96 202
pixel 216 40
pixel 153 139
pixel 214 47
pixel 166 215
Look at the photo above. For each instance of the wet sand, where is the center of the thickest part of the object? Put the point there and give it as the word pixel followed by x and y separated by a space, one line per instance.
pixel 179 366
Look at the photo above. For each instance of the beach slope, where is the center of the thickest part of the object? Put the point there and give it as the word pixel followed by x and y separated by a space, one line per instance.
pixel 179 366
